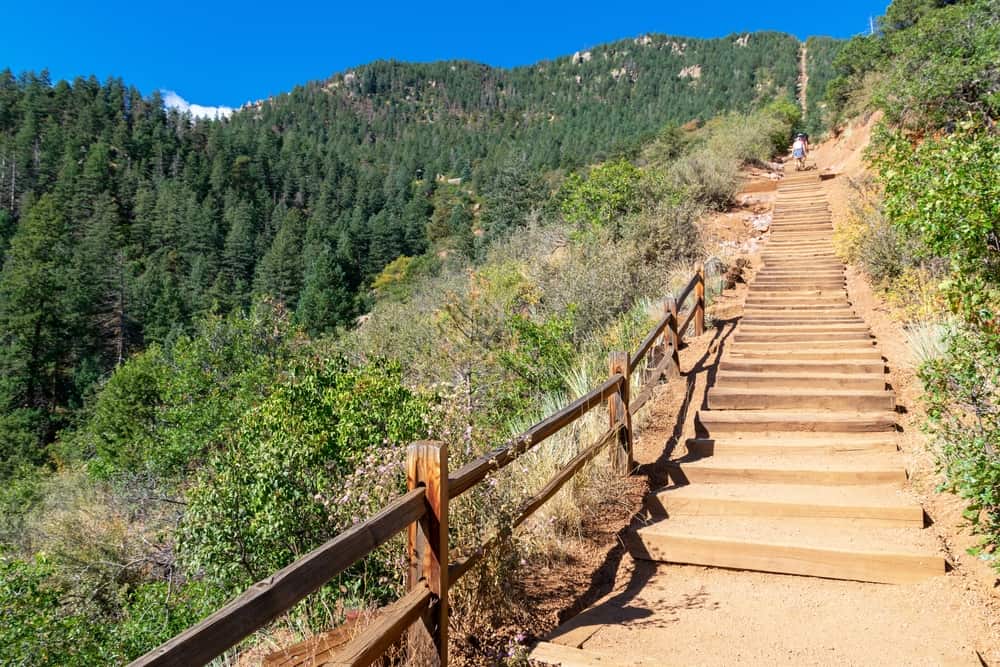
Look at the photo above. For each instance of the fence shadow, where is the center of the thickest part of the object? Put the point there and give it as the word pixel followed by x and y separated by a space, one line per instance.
pixel 656 476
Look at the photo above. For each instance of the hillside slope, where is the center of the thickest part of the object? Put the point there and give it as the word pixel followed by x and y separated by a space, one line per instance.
pixel 122 223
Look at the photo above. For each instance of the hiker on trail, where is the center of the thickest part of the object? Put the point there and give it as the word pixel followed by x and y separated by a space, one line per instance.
pixel 800 149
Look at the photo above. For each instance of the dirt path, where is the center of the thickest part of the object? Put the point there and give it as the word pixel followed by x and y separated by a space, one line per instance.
pixel 661 614
pixel 803 78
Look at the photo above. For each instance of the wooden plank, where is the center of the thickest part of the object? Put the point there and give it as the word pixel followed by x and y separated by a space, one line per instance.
pixel 317 649
pixel 699 305
pixel 393 621
pixel 647 391
pixel 568 656
pixel 475 471
pixel 768 502
pixel 682 329
pixel 875 566
pixel 686 292
pixel 709 472
pixel 621 456
pixel 271 597
pixel 648 342
pixel 427 546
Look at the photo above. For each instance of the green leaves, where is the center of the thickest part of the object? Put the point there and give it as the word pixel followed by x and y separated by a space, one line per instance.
pixel 608 193
pixel 946 192
pixel 283 481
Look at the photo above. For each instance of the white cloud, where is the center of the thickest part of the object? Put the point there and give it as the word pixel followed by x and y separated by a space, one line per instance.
pixel 174 101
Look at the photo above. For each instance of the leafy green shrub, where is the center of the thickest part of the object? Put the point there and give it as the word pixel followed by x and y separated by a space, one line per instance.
pixel 162 411
pixel 321 452
pixel 963 399
pixel 39 628
pixel 946 193
pixel 608 193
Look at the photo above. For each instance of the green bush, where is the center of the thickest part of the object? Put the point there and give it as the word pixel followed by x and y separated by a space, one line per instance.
pixel 165 409
pixel 945 192
pixel 39 628
pixel 288 475
pixel 602 198
pixel 963 399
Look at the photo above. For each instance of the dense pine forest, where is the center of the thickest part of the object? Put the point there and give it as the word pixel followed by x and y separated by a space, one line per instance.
pixel 216 337
pixel 122 222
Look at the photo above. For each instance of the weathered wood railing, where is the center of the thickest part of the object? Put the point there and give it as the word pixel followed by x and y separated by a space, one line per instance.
pixel 423 513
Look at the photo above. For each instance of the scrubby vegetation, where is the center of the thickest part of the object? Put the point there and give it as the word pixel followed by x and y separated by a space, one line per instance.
pixel 221 453
pixel 929 230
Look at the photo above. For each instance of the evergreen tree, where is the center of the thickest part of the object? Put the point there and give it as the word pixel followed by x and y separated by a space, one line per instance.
pixel 35 321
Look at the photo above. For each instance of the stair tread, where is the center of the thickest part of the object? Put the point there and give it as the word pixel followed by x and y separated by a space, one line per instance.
pixel 800 533
pixel 847 461
pixel 797 391
pixel 737 416
pixel 886 495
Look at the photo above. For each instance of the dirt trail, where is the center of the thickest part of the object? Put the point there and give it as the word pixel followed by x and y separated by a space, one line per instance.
pixel 803 78
pixel 663 614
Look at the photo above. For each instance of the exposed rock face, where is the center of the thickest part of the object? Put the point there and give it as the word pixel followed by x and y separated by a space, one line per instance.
pixel 744 40
pixel 678 48
pixel 690 72
pixel 645 40
pixel 583 57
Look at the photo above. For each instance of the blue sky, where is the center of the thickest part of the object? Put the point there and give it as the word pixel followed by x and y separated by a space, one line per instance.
pixel 225 53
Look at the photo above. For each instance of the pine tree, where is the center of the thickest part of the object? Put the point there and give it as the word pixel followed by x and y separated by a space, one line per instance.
pixel 279 273
pixel 34 317
pixel 326 299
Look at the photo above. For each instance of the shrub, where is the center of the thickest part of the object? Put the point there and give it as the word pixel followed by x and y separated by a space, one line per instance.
pixel 321 452
pixel 711 178
pixel 608 193
pixel 963 399
pixel 945 192
pixel 38 628
pixel 163 410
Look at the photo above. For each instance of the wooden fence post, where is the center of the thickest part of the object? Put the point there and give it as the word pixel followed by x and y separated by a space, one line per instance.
pixel 621 455
pixel 699 292
pixel 671 337
pixel 427 546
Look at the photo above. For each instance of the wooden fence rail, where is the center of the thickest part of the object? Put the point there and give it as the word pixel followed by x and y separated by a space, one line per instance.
pixel 423 513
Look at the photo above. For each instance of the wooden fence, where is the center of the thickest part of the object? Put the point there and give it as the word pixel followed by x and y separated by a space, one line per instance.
pixel 423 513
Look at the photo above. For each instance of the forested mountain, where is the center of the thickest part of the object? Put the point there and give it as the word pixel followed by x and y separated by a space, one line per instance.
pixel 121 221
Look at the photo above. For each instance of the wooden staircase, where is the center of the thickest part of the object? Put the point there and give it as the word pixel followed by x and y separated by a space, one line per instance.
pixel 794 469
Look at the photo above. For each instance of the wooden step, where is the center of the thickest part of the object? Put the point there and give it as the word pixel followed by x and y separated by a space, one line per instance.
pixel 817 346
pixel 792 320
pixel 848 327
pixel 861 467
pixel 777 303
pixel 788 398
pixel 786 444
pixel 758 381
pixel 793 546
pixel 874 505
pixel 713 422
pixel 790 364
pixel 761 295
pixel 796 285
pixel 547 653
pixel 860 351
pixel 804 337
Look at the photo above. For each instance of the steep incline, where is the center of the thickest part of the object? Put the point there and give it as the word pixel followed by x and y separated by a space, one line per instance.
pixel 792 469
